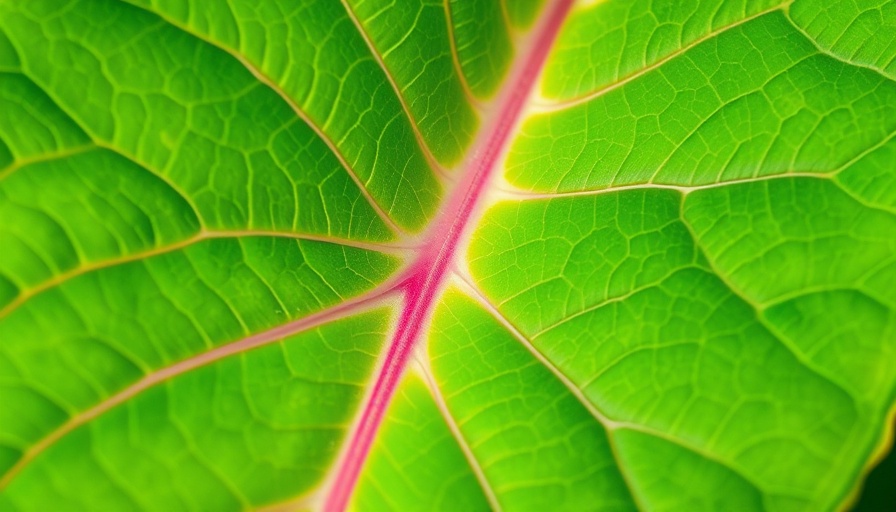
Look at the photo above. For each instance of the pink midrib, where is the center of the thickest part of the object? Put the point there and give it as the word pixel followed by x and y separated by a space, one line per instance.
pixel 422 281
pixel 419 284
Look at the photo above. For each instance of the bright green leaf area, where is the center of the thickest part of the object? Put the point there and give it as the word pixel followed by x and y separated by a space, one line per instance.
pixel 256 442
pixel 860 31
pixel 418 462
pixel 757 100
pixel 669 329
pixel 620 39
pixel 681 294
pixel 64 352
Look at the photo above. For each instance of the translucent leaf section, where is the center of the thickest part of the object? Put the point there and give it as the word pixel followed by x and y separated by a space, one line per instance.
pixel 521 13
pixel 679 479
pixel 757 100
pixel 66 214
pixel 537 445
pixel 482 40
pixel 859 31
pixel 609 41
pixel 649 316
pixel 781 225
pixel 412 39
pixel 871 177
pixel 76 345
pixel 417 463
pixel 697 241
pixel 269 425
pixel 280 255
pixel 198 117
pixel 614 243
pixel 32 127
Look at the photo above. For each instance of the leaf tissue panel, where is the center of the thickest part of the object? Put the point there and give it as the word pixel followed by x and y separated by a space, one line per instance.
pixel 446 255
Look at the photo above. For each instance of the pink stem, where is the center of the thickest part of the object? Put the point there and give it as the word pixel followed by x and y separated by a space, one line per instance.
pixel 425 277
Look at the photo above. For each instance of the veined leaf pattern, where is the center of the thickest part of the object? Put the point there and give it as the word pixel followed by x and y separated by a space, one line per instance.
pixel 445 255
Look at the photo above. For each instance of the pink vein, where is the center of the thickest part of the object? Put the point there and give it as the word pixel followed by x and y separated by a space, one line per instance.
pixel 419 284
pixel 27 293
pixel 424 278
pixel 364 302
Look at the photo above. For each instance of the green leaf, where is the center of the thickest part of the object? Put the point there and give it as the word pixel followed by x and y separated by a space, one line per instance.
pixel 445 255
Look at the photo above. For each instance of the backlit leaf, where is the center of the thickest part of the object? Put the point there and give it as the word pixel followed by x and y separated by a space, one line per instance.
pixel 445 255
